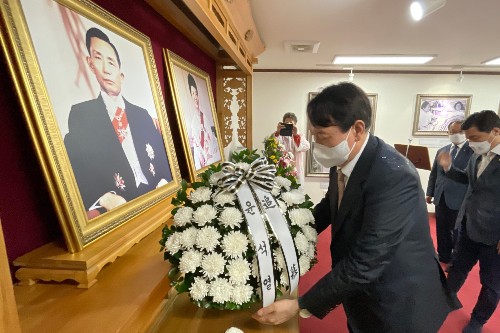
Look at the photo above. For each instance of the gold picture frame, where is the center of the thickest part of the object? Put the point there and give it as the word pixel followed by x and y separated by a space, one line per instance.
pixel 433 113
pixel 192 95
pixel 65 88
pixel 313 168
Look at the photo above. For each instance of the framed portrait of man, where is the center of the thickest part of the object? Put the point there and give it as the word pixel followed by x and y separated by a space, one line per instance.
pixel 92 99
pixel 313 168
pixel 196 115
pixel 434 113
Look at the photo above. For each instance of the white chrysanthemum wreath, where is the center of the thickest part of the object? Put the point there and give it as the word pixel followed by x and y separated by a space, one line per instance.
pixel 211 247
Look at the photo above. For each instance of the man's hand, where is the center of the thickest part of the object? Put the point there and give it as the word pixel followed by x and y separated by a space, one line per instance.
pixel 294 130
pixel 111 200
pixel 444 160
pixel 278 312
pixel 428 199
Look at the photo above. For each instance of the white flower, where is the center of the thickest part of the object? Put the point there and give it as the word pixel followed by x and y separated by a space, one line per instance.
pixel 201 194
pixel 243 165
pixel 238 271
pixel 280 260
pixel 310 253
pixel 234 244
pixel 188 238
pixel 294 197
pixel 284 278
pixel 190 261
pixel 300 216
pixel 173 243
pixel 199 289
pixel 215 177
pixel 301 242
pixel 304 264
pixel 275 191
pixel 231 217
pixel 221 290
pixel 204 214
pixel 207 238
pixel 242 294
pixel 234 330
pixel 255 267
pixel 282 205
pixel 283 182
pixel 224 198
pixel 213 265
pixel 310 233
pixel 183 216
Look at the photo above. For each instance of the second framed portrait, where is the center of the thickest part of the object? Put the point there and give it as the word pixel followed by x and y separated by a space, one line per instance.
pixel 91 97
pixel 434 113
pixel 313 168
pixel 196 115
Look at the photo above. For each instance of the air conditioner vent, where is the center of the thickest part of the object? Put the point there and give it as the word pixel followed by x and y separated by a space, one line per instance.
pixel 301 46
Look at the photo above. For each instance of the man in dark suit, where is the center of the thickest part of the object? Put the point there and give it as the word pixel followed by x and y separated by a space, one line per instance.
pixel 114 147
pixel 384 268
pixel 479 215
pixel 447 193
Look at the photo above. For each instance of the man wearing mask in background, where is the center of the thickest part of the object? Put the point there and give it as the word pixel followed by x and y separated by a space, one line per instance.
pixel 447 193
pixel 384 270
pixel 479 216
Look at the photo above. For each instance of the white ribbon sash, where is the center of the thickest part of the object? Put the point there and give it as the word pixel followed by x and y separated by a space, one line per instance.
pixel 282 232
pixel 259 179
pixel 257 229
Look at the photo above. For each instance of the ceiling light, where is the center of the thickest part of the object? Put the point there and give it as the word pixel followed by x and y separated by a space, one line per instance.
pixel 492 62
pixel 460 77
pixel 381 60
pixel 350 76
pixel 421 8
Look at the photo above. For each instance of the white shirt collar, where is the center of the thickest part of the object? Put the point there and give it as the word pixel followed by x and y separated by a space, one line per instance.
pixel 496 150
pixel 111 104
pixel 460 145
pixel 347 169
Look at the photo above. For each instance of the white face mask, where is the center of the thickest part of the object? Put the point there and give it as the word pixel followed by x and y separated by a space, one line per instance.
pixel 457 138
pixel 481 147
pixel 329 157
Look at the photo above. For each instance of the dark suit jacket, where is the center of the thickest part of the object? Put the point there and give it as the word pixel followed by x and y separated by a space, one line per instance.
pixel 384 268
pixel 454 191
pixel 97 156
pixel 480 211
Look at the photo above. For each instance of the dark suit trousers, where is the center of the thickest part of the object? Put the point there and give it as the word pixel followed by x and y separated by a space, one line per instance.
pixel 445 224
pixel 468 253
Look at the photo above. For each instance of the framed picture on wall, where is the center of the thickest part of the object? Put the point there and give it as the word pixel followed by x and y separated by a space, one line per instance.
pixel 196 115
pixel 313 168
pixel 433 113
pixel 91 96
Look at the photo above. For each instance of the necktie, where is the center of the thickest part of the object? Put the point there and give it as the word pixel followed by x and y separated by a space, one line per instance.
pixel 341 185
pixel 484 163
pixel 120 124
pixel 454 152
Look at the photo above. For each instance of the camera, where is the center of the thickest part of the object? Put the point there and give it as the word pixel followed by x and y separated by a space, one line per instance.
pixel 287 131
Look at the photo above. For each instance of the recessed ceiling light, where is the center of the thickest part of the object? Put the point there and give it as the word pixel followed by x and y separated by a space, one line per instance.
pixel 381 60
pixel 421 8
pixel 492 62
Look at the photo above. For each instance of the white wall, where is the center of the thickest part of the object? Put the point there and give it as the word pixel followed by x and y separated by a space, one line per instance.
pixel 277 93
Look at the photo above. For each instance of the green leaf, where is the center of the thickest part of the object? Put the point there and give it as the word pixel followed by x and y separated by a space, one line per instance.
pixel 173 272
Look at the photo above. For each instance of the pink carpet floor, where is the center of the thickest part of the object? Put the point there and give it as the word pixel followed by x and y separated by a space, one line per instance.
pixel 335 322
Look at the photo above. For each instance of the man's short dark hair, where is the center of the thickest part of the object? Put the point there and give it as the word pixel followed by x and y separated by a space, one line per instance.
pixel 425 104
pixel 290 115
pixel 192 82
pixel 340 105
pixel 484 121
pixel 97 33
